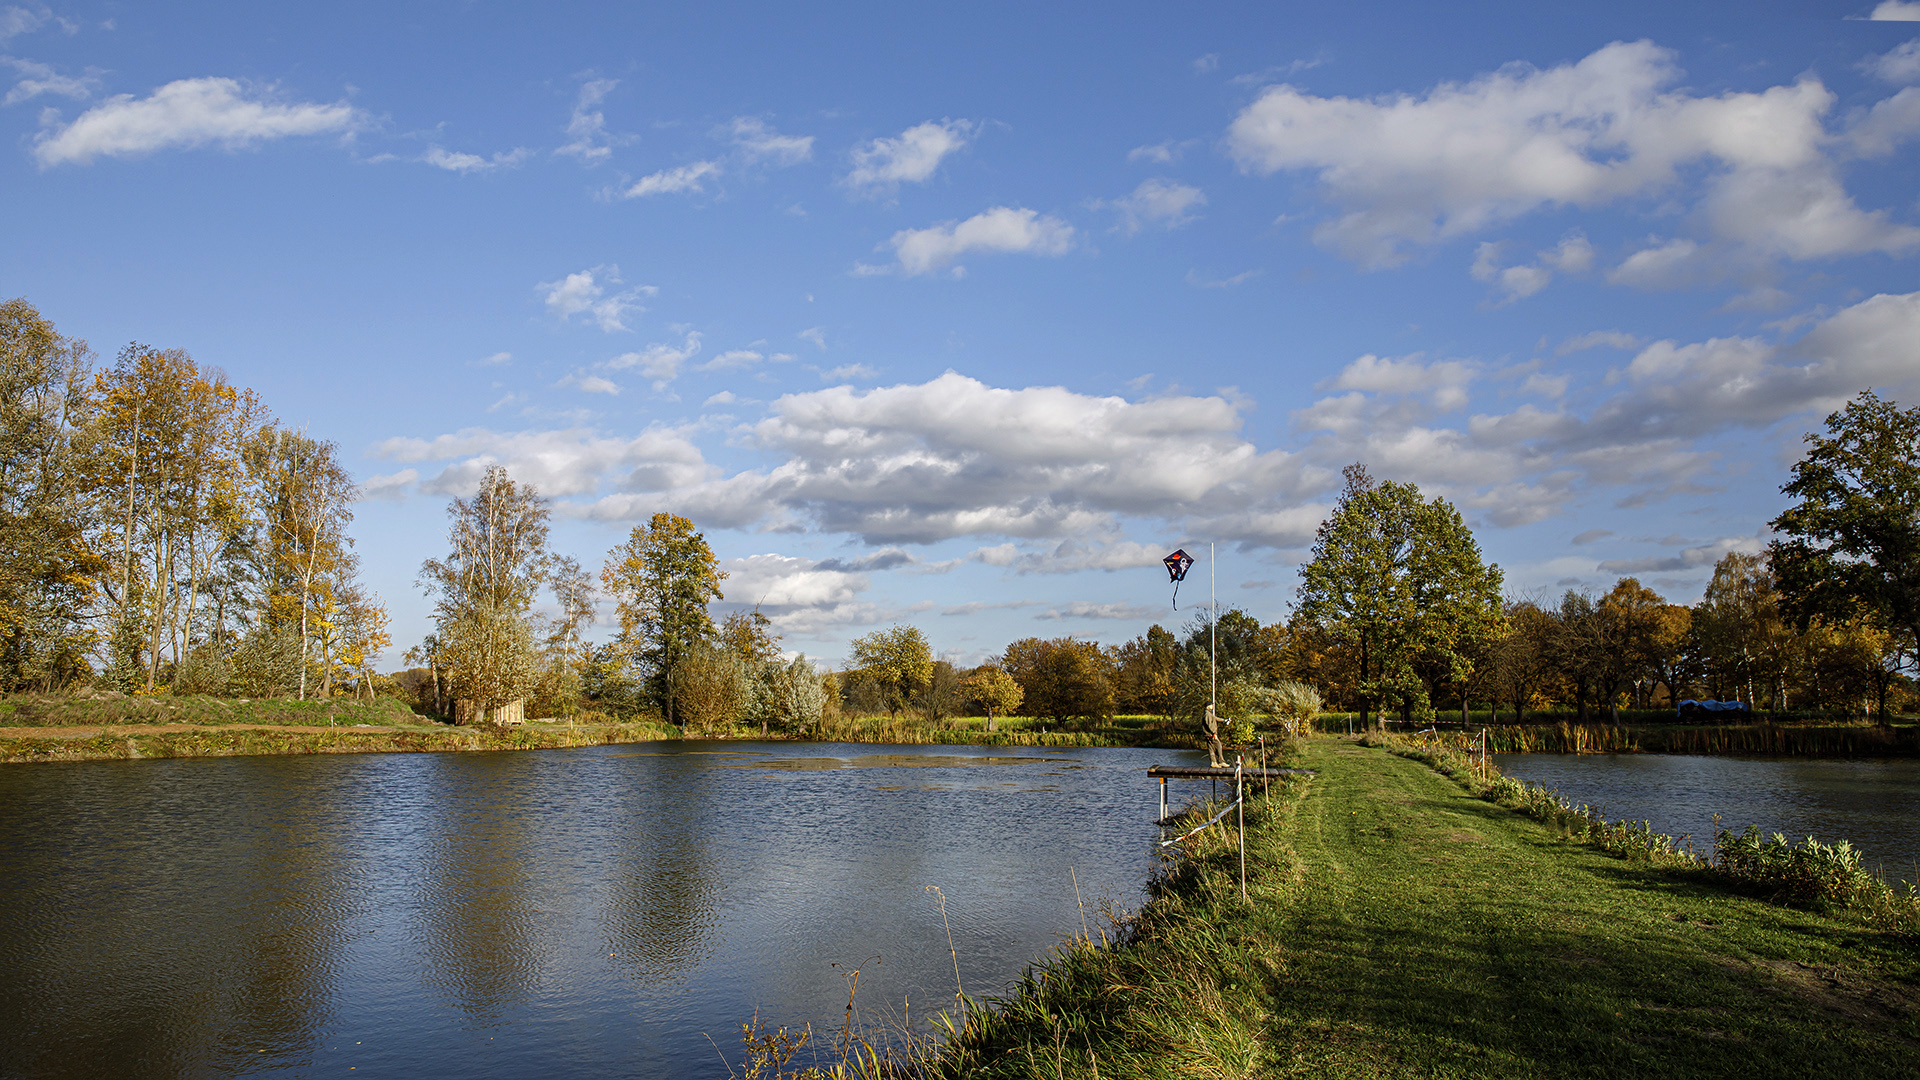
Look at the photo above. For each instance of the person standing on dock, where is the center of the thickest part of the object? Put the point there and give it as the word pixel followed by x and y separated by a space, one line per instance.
pixel 1214 750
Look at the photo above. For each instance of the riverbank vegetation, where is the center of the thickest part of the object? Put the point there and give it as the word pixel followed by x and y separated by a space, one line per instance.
pixel 1403 926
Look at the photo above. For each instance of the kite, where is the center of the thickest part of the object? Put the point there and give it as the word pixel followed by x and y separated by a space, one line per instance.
pixel 1177 564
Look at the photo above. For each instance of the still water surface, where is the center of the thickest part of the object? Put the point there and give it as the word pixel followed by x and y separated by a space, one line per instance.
pixel 594 912
pixel 1873 804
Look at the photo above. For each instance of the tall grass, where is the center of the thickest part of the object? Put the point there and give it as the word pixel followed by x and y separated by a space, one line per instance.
pixel 1827 877
pixel 1818 741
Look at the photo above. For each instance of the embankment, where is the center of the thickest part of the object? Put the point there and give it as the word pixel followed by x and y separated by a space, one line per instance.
pixel 1402 927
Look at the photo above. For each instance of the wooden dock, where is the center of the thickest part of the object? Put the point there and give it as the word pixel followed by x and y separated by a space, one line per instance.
pixel 1208 772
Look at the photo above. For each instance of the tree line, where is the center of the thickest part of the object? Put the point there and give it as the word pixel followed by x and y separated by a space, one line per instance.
pixel 160 530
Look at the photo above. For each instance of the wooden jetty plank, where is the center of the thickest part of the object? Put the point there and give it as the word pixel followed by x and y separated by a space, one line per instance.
pixel 1203 772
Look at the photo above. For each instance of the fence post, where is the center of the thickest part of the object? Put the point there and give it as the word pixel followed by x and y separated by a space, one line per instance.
pixel 1240 809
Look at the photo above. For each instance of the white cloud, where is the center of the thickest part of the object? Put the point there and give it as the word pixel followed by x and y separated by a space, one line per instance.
pixel 848 371
pixel 1573 253
pixel 590 384
pixel 659 362
pixel 1206 64
pixel 1000 229
pixel 758 142
pixel 1642 430
pixel 37 79
pixel 815 334
pixel 1412 170
pixel 1692 558
pixel 187 113
pixel 390 486
pixel 587 129
pixel 1664 264
pixel 1900 64
pixel 1597 339
pixel 673 181
pixel 582 294
pixel 573 461
pixel 15 21
pixel 1155 202
pixel 1165 153
pixel 1896 11
pixel 1241 278
pixel 454 161
pixel 499 359
pixel 733 360
pixel 881 166
pixel 1090 609
pixel 724 397
pixel 1445 381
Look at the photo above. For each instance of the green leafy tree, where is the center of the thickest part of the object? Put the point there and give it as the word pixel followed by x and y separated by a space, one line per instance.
pixel 662 579
pixel 1849 548
pixel 1401 582
pixel 897 660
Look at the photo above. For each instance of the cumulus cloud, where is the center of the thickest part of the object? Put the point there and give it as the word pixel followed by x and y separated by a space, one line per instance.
pixel 454 161
pixel 37 79
pixel 1444 381
pixel 184 114
pixel 659 362
pixel 1898 65
pixel 1597 339
pixel 569 462
pixel 590 384
pixel 1001 229
pixel 673 181
pixel 1159 201
pixel 733 360
pixel 912 157
pixel 1692 558
pixel 1896 11
pixel 1642 429
pixel 1411 170
pixel 1091 609
pixel 585 293
pixel 1165 153
pixel 587 137
pixel 758 142
pixel 815 334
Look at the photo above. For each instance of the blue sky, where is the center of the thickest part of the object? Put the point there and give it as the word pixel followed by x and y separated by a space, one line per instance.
pixel 965 317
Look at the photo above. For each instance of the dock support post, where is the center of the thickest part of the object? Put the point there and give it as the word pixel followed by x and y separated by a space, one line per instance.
pixel 1240 808
pixel 1163 799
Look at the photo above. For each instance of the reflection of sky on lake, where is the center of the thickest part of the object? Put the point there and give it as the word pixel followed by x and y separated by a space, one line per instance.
pixel 558 913
pixel 1873 804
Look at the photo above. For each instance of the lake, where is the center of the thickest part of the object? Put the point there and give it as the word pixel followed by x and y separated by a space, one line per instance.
pixel 1873 804
pixel 566 913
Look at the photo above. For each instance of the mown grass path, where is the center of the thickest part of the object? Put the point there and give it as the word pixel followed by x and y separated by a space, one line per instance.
pixel 1432 934
pixel 1401 928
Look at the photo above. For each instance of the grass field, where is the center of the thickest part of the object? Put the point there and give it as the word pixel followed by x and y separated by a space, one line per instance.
pixel 1402 928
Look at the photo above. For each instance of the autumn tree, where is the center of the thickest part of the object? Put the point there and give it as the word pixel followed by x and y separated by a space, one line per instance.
pixel 1144 673
pixel 897 660
pixel 994 691
pixel 1062 678
pixel 305 503
pixel 484 588
pixel 662 579
pixel 48 572
pixel 1627 620
pixel 1522 656
pixel 169 467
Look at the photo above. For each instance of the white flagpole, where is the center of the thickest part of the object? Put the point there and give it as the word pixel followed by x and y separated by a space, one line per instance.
pixel 1213 647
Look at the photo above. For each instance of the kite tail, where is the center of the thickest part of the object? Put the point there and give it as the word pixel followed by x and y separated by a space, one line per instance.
pixel 1176 596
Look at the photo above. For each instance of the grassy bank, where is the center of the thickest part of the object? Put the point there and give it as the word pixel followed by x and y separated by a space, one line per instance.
pixel 1401 926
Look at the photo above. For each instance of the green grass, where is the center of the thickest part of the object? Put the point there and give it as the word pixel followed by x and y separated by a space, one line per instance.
pixel 64 710
pixel 1404 928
